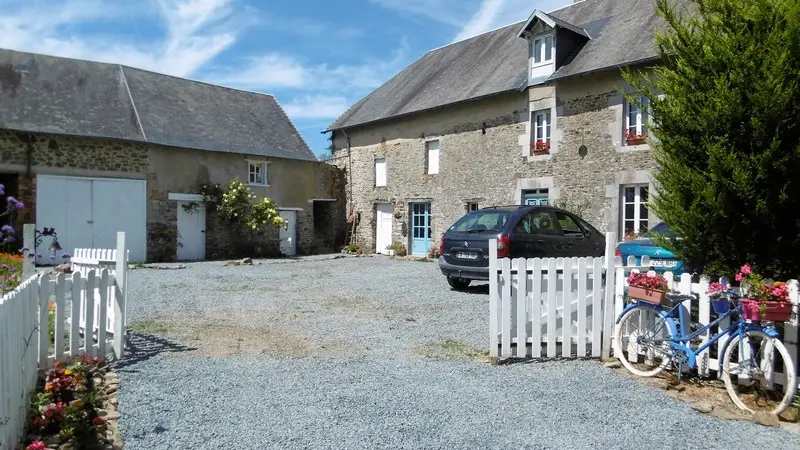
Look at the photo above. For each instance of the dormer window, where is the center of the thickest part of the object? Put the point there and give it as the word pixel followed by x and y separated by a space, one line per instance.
pixel 543 49
pixel 542 55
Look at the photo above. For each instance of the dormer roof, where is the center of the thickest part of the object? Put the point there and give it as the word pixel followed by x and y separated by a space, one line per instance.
pixel 552 22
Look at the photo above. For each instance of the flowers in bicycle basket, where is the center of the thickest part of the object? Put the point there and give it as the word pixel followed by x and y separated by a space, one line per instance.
pixel 715 287
pixel 763 300
pixel 648 281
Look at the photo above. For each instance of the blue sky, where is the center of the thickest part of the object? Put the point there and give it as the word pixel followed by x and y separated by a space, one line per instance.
pixel 317 57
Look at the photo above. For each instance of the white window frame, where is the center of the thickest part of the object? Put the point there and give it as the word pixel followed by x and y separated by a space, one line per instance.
pixel 642 118
pixel 429 169
pixel 637 208
pixel 542 40
pixel 251 170
pixel 547 127
pixel 385 180
pixel 473 206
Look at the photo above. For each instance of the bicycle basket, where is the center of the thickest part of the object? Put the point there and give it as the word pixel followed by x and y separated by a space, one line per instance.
pixel 721 305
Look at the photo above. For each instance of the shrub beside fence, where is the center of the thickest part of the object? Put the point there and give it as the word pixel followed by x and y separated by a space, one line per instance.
pixel 26 347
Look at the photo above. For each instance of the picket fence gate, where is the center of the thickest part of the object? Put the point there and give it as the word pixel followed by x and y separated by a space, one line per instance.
pixel 24 331
pixel 86 260
pixel 592 291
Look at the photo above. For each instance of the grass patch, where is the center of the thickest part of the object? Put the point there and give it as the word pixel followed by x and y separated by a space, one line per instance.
pixel 151 326
pixel 450 349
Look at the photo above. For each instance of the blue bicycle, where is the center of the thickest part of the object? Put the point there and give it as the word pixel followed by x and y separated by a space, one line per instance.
pixel 650 337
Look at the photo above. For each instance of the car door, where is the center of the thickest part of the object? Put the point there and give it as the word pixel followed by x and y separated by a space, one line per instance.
pixel 546 237
pixel 574 242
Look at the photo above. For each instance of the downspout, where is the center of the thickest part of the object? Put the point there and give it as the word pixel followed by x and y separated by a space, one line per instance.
pixel 349 170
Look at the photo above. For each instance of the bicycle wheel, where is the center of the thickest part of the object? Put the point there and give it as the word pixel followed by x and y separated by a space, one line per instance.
pixel 749 385
pixel 643 336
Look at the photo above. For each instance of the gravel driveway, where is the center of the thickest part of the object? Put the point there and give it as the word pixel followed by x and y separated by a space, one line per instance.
pixel 368 353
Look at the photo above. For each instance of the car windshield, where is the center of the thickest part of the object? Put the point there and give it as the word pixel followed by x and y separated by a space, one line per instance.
pixel 661 229
pixel 483 221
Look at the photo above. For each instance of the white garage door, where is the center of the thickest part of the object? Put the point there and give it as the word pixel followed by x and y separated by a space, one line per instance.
pixel 88 212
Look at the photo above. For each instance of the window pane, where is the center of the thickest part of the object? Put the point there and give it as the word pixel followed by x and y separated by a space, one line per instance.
pixel 643 226
pixel 630 194
pixel 548 48
pixel 633 118
pixel 643 194
pixel 537 50
pixel 629 211
pixel 547 135
pixel 643 213
pixel 568 226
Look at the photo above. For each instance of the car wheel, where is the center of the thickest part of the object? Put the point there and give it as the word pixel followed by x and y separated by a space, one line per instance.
pixel 457 283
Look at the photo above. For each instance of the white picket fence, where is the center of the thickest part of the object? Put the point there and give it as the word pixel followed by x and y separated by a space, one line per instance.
pixel 587 295
pixel 557 302
pixel 86 260
pixel 706 362
pixel 24 332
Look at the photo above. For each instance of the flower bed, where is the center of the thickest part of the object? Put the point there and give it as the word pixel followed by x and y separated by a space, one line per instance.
pixel 74 408
pixel 10 272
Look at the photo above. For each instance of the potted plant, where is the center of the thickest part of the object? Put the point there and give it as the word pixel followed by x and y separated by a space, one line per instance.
pixel 762 300
pixel 541 147
pixel 635 138
pixel 651 288
pixel 396 249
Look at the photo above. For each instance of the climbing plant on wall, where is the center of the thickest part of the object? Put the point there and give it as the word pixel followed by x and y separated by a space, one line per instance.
pixel 235 204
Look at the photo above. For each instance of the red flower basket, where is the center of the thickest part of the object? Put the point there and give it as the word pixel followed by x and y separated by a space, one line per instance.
pixel 540 148
pixel 774 311
pixel 654 296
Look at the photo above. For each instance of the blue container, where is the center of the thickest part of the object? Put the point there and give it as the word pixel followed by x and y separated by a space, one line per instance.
pixel 721 306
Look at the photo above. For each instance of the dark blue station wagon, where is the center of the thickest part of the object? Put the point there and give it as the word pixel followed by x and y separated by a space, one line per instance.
pixel 521 232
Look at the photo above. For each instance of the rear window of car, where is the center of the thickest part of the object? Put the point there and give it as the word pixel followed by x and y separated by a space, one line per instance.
pixel 481 222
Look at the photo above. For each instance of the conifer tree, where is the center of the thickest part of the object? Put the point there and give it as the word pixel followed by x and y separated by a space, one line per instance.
pixel 725 105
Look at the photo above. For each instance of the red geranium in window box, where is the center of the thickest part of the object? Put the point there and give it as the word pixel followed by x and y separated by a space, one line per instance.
pixel 634 138
pixel 541 147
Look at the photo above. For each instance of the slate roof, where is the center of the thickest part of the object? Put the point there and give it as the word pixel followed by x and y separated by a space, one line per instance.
pixel 621 33
pixel 47 94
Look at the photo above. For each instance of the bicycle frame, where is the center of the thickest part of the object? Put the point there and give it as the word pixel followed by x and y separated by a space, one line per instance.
pixel 680 340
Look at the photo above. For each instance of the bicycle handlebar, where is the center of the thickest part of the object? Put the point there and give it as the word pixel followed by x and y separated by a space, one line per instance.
pixel 728 292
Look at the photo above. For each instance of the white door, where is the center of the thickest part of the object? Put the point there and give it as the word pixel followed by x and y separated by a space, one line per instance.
pixel 88 213
pixel 383 227
pixel 119 205
pixel 191 231
pixel 289 233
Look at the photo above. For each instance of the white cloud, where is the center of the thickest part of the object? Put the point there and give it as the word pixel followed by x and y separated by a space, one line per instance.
pixel 493 14
pixel 196 31
pixel 277 70
pixel 316 107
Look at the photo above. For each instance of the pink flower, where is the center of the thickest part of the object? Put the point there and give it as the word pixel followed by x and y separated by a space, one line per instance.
pixel 746 270
pixel 739 277
pixel 36 445
pixel 715 287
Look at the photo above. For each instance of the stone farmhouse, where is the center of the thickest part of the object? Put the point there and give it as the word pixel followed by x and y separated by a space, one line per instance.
pixel 94 148
pixel 530 113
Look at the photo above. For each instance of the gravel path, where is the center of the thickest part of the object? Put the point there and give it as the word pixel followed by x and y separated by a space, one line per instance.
pixel 368 353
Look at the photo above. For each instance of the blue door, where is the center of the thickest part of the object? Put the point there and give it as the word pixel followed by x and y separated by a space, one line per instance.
pixel 420 228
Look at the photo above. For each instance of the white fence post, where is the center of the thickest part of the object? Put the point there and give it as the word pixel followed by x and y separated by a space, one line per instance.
pixel 120 302
pixel 790 330
pixel 608 305
pixel 29 242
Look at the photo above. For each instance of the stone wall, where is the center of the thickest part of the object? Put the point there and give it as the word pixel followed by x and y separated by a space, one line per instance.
pixel 485 157
pixel 168 170
pixel 31 154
